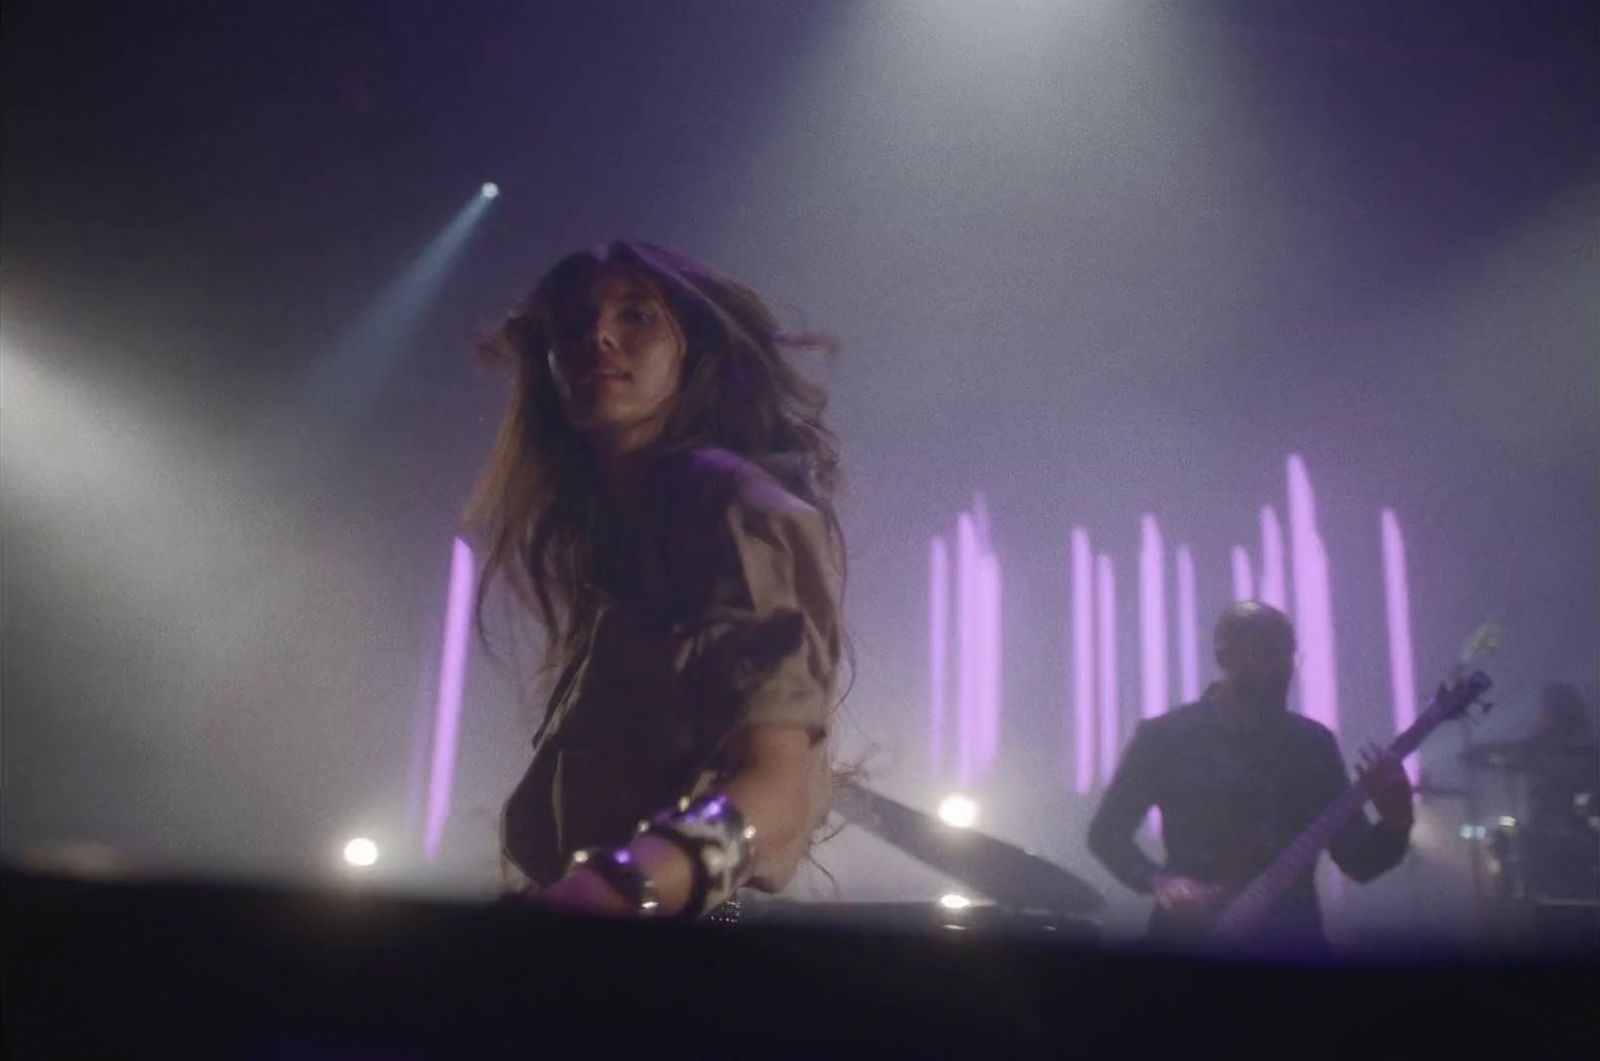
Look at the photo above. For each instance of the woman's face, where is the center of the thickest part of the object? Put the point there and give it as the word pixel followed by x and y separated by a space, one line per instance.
pixel 617 359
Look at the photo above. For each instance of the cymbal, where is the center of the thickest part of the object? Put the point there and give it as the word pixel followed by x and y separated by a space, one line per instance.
pixel 1004 872
pixel 1529 756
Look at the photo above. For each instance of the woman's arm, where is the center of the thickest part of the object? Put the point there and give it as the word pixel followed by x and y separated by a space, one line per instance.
pixel 770 789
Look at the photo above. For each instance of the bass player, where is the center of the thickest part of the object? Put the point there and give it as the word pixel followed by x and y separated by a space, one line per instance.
pixel 1237 777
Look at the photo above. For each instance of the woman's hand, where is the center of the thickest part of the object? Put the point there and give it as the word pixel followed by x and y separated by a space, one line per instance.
pixel 770 790
pixel 583 891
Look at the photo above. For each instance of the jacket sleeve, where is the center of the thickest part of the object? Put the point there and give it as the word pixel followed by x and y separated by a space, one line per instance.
pixel 1127 800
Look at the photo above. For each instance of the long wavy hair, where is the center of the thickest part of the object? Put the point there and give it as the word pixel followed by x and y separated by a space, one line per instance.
pixel 534 500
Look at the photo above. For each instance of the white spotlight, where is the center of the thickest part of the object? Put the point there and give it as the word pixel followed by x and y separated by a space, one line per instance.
pixel 490 190
pixel 958 811
pixel 360 852
pixel 954 901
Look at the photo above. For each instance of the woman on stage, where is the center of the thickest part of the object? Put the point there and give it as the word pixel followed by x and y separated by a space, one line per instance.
pixel 661 497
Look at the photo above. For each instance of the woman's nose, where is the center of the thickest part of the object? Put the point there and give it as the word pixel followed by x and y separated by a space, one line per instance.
pixel 600 335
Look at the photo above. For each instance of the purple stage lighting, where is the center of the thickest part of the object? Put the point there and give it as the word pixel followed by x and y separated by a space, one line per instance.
pixel 452 676
pixel 980 640
pixel 938 638
pixel 1106 633
pixel 1295 577
pixel 1152 620
pixel 968 677
pixel 1244 583
pixel 972 739
pixel 1313 605
pixel 1083 702
pixel 1188 640
pixel 1273 591
pixel 1397 605
pixel 989 641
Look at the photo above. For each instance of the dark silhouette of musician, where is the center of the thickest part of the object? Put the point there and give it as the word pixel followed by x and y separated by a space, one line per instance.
pixel 1559 753
pixel 1236 777
pixel 1560 844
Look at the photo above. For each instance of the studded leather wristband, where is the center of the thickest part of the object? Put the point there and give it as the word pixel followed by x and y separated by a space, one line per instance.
pixel 621 872
pixel 718 842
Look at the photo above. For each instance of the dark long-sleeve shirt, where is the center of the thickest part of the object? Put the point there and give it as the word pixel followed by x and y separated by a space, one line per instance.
pixel 1231 797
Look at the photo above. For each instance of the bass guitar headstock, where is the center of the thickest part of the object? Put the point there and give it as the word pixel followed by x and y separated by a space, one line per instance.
pixel 1455 698
pixel 1464 688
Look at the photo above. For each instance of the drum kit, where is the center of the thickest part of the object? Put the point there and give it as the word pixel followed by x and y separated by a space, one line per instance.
pixel 1545 854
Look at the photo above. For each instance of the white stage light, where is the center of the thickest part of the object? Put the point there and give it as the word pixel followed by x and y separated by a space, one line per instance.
pixel 958 811
pixel 490 190
pixel 361 852
pixel 954 901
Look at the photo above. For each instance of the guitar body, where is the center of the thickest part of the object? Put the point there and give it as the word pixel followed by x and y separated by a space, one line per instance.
pixel 1230 876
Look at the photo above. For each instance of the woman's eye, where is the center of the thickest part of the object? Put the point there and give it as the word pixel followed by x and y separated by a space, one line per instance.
pixel 636 315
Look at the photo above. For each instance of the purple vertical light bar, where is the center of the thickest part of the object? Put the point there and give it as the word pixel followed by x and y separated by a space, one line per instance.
pixel 980 521
pixel 1152 620
pixel 1083 703
pixel 1330 648
pixel 1106 665
pixel 938 642
pixel 422 734
pixel 993 687
pixel 1313 603
pixel 968 676
pixel 984 627
pixel 1306 620
pixel 447 711
pixel 1397 605
pixel 1244 583
pixel 1188 639
pixel 1273 590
